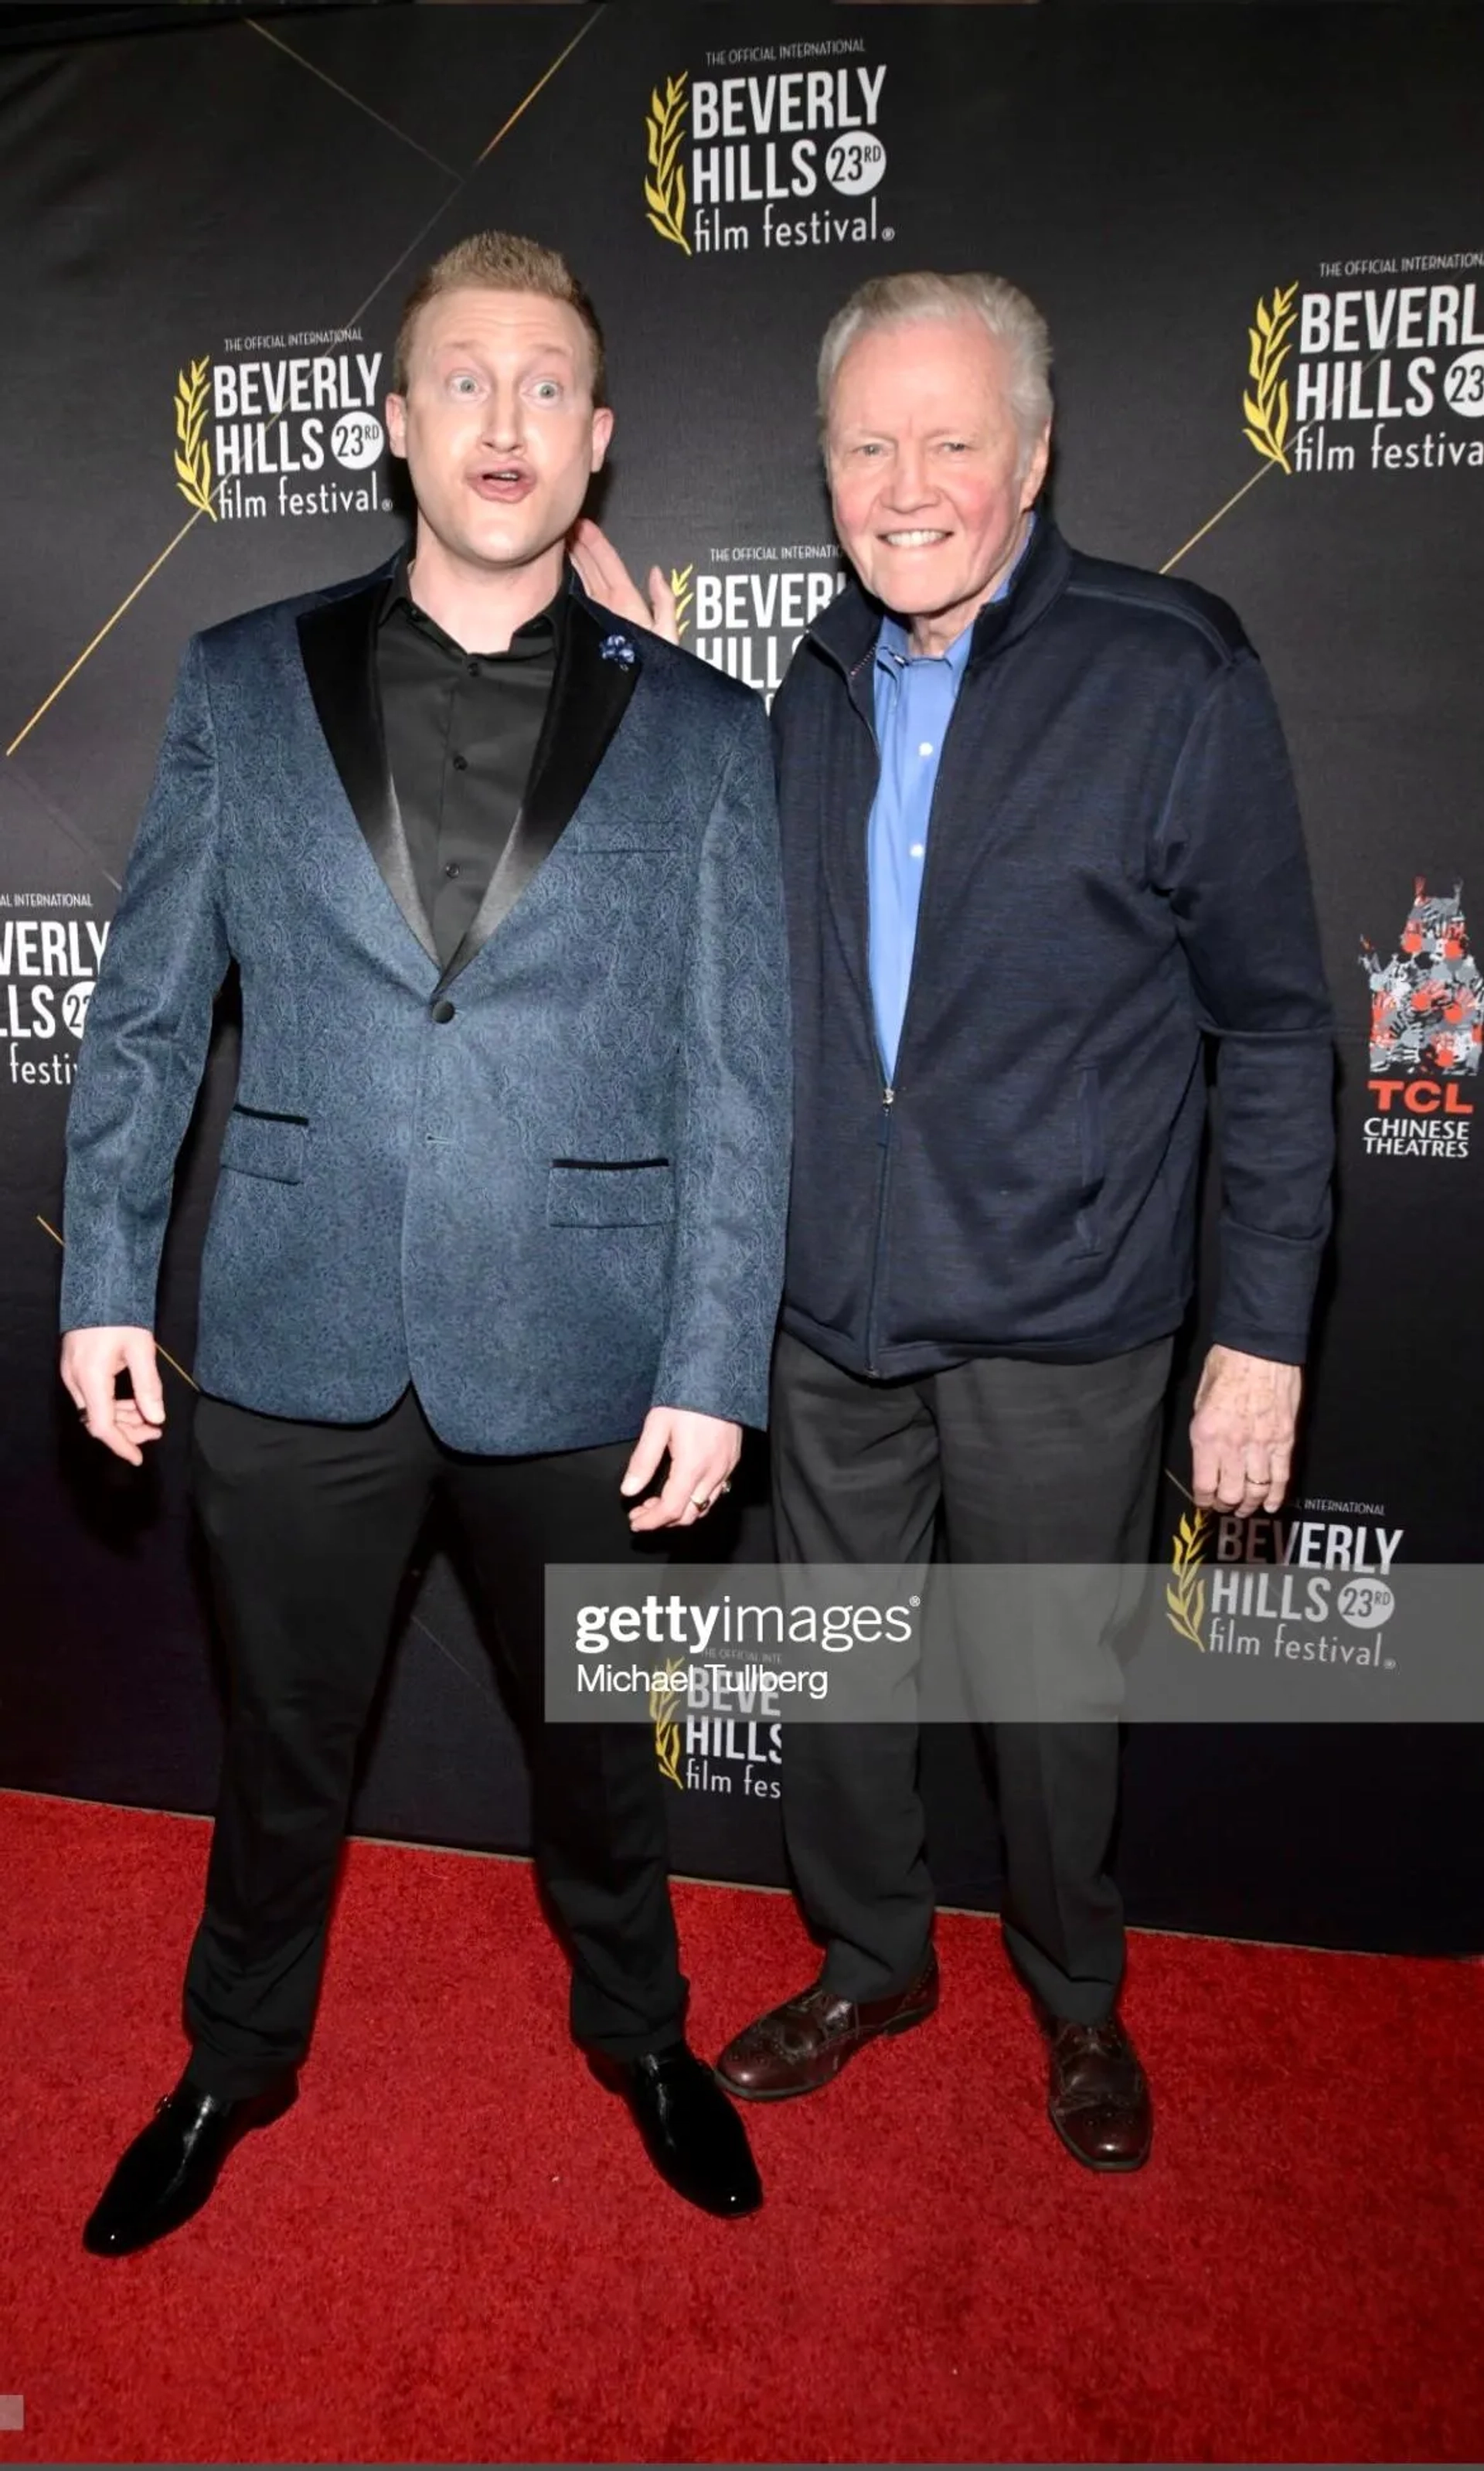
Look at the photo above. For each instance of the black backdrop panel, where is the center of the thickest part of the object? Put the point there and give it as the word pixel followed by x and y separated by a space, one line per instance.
pixel 1256 234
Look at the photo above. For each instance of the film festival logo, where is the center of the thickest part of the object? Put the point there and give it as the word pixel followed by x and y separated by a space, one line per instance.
pixel 49 961
pixel 265 429
pixel 1426 1032
pixel 700 1750
pixel 750 606
pixel 1375 376
pixel 1300 1590
pixel 785 159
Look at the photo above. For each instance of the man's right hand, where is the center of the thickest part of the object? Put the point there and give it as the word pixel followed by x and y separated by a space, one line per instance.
pixel 91 1362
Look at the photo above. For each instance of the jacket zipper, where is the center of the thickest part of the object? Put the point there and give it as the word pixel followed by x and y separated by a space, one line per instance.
pixel 889 1089
pixel 883 1136
pixel 888 1101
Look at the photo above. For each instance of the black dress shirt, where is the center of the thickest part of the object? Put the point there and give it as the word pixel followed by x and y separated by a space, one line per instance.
pixel 461 732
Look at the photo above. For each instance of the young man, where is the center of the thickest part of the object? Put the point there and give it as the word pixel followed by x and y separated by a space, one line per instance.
pixel 1040 842
pixel 500 1201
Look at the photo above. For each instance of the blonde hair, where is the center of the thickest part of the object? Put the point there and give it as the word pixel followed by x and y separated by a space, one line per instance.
pixel 498 261
pixel 1003 311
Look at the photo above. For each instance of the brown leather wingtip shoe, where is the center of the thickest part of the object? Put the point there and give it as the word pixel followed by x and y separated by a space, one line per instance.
pixel 804 2044
pixel 1098 2099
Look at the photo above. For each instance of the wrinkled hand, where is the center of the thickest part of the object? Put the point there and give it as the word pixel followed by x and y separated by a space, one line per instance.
pixel 1242 1432
pixel 703 1452
pixel 602 572
pixel 91 1361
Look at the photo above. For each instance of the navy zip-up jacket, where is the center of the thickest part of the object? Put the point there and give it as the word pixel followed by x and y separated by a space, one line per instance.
pixel 1114 871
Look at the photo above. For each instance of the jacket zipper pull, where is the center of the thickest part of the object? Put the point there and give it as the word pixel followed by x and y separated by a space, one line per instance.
pixel 888 1101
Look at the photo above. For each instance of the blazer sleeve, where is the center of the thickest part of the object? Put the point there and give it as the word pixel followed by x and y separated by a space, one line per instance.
pixel 732 1164
pixel 148 1023
pixel 1233 862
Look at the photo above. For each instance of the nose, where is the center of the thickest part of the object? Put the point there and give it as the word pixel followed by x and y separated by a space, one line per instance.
pixel 908 487
pixel 504 429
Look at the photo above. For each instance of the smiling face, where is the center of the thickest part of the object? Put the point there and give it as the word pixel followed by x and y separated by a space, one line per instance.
pixel 931 480
pixel 498 424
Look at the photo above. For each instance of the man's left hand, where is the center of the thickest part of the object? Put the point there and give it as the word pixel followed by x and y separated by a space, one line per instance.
pixel 703 1450
pixel 1242 1432
pixel 602 573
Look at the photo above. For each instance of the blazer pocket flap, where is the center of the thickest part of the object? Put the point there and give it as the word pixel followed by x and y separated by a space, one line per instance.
pixel 636 1193
pixel 608 835
pixel 266 1145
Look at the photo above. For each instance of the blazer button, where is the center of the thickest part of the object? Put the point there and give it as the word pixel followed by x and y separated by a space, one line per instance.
pixel 443 1010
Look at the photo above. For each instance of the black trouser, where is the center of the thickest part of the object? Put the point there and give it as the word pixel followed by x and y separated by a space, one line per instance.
pixel 1028 1463
pixel 310 1528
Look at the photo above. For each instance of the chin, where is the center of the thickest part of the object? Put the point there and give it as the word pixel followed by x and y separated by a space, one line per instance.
pixel 508 549
pixel 914 589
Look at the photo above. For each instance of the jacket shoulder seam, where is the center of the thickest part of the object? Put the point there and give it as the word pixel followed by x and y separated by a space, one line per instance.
pixel 1184 612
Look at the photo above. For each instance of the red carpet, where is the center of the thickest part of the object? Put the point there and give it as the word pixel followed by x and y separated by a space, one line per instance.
pixel 453 2248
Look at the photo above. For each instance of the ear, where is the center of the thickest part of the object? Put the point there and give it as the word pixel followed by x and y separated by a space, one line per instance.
pixel 602 430
pixel 397 424
pixel 1035 469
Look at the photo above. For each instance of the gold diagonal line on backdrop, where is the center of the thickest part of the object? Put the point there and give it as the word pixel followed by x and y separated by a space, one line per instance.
pixel 66 825
pixel 107 628
pixel 504 130
pixel 336 88
pixel 442 1645
pixel 1261 473
pixel 159 1349
pixel 149 574
pixel 1212 521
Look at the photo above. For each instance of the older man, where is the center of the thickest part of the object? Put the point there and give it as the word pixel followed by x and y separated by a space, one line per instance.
pixel 1040 844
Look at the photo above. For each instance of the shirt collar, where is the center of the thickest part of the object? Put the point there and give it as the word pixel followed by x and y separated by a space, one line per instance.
pixel 536 636
pixel 893 645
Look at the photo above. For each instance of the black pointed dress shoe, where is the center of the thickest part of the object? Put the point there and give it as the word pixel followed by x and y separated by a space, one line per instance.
pixel 168 2173
pixel 695 2138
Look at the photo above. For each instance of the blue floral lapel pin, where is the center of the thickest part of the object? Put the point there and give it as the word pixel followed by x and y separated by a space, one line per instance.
pixel 618 647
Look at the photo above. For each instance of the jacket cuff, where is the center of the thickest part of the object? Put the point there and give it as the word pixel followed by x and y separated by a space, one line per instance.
pixel 1265 1295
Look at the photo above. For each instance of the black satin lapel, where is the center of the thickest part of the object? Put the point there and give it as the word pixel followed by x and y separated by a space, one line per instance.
pixel 589 696
pixel 338 647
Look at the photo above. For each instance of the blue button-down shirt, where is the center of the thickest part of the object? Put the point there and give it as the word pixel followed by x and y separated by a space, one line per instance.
pixel 916 695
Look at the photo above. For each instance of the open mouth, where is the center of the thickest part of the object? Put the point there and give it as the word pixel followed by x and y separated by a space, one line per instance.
pixel 505 484
pixel 915 539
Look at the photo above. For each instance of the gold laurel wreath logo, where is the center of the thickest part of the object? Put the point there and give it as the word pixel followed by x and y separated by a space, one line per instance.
pixel 1185 1597
pixel 663 1704
pixel 684 591
pixel 1268 407
pixel 193 453
pixel 665 195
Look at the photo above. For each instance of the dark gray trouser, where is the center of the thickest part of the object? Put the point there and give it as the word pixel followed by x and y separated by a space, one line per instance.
pixel 1029 1463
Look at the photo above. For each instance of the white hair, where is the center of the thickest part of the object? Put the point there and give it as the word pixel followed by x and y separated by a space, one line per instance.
pixel 1004 312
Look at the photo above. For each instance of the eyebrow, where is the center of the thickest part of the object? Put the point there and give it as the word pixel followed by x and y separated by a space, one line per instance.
pixel 469 345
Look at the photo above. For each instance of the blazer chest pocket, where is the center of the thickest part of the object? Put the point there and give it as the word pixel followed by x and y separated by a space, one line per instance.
pixel 256 1142
pixel 603 1192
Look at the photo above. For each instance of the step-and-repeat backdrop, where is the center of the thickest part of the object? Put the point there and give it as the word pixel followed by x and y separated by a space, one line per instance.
pixel 1257 235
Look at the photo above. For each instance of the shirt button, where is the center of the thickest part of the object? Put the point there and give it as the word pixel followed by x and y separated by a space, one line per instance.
pixel 460 763
pixel 443 1010
pixel 916 850
pixel 925 748
pixel 474 669
pixel 451 868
